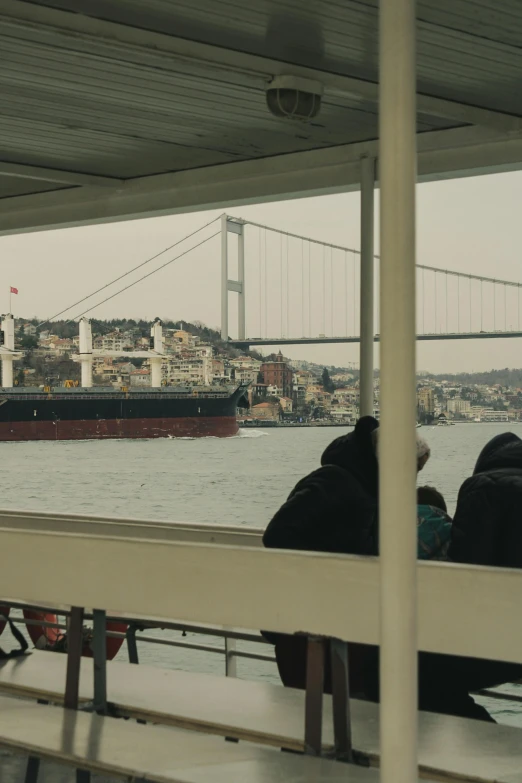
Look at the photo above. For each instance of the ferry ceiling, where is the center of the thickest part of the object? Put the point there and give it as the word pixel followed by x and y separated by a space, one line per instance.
pixel 117 109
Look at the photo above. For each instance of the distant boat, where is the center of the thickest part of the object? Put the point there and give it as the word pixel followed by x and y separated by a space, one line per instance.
pixel 419 424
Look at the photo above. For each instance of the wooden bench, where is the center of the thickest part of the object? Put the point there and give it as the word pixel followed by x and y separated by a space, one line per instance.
pixel 286 592
pixel 453 748
pixel 155 754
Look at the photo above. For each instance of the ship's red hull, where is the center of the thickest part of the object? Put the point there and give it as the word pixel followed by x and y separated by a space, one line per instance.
pixel 97 429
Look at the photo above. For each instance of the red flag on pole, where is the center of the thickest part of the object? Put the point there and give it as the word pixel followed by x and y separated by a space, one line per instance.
pixel 14 290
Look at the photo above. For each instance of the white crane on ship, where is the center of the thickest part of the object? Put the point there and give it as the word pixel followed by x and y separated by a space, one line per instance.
pixel 156 354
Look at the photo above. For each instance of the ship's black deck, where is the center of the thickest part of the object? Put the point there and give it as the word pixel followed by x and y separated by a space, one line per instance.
pixel 86 404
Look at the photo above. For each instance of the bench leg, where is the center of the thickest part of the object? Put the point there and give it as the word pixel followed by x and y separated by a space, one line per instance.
pixel 132 647
pixel 100 661
pixel 74 656
pixel 32 770
pixel 314 696
pixel 83 776
pixel 230 658
pixel 341 700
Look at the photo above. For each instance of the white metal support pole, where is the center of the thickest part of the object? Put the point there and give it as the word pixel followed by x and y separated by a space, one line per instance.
pixel 397 452
pixel 241 327
pixel 367 294
pixel 224 278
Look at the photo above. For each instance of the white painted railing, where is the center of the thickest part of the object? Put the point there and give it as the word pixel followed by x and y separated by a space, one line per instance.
pixel 235 535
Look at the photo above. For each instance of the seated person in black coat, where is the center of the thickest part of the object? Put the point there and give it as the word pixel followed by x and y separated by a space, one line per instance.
pixel 487 530
pixel 334 509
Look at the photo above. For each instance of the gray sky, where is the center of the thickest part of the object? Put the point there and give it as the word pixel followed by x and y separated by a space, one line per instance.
pixel 470 225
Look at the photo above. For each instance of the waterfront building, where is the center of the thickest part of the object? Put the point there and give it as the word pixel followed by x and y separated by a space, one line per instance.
pixel 187 371
pixel 114 341
pixel 426 400
pixel 268 411
pixel 459 406
pixel 278 373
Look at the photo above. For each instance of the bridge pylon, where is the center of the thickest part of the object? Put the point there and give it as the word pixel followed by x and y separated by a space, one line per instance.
pixel 231 225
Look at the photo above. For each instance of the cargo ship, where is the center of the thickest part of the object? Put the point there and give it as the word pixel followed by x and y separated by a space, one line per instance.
pixel 98 412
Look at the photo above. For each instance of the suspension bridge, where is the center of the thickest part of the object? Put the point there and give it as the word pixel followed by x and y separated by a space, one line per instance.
pixel 293 289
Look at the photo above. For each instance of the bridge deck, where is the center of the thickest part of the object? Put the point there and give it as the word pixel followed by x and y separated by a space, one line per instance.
pixel 252 342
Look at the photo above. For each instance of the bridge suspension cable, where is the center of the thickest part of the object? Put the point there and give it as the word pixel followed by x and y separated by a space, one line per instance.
pixel 144 277
pixel 315 293
pixel 130 271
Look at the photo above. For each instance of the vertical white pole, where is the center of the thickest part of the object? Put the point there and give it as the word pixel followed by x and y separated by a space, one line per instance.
pixel 86 352
pixel 241 327
pixel 8 329
pixel 7 372
pixel 397 454
pixel 157 334
pixel 86 372
pixel 155 363
pixel 155 373
pixel 367 273
pixel 224 278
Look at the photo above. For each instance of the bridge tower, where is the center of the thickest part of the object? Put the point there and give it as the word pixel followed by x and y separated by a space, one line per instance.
pixel 233 226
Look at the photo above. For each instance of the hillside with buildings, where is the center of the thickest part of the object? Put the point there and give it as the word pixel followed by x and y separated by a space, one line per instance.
pixel 279 389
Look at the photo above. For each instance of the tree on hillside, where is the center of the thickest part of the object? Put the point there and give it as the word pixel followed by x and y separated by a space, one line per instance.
pixel 328 384
pixel 28 342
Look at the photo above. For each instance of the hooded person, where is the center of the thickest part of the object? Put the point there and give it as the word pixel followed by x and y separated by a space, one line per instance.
pixel 333 509
pixel 487 530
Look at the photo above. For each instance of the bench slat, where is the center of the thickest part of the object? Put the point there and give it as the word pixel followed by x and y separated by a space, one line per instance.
pixel 268 714
pixel 232 707
pixel 157 754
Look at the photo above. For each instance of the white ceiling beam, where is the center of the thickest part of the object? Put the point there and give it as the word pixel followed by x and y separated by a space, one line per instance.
pixel 41 174
pixel 31 18
pixel 442 155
